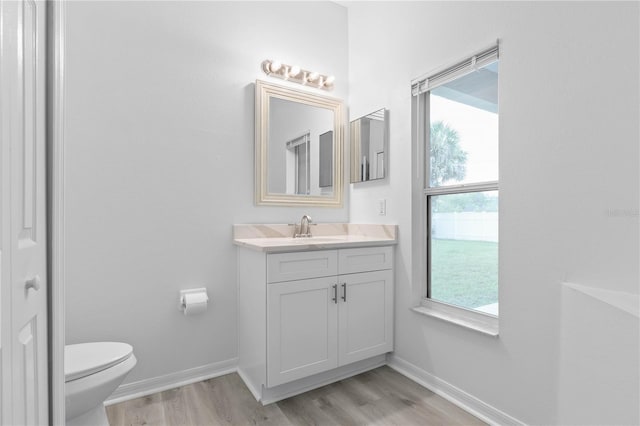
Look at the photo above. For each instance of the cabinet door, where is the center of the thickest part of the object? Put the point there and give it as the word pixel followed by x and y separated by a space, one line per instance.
pixel 301 329
pixel 365 315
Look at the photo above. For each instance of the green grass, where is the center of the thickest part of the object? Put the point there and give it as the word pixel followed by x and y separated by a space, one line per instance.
pixel 464 273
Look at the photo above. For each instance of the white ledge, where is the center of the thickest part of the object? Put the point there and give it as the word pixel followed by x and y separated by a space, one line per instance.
pixel 627 302
pixel 477 321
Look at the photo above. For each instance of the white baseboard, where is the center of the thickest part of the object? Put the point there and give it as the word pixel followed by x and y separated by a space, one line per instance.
pixel 462 399
pixel 249 384
pixel 173 380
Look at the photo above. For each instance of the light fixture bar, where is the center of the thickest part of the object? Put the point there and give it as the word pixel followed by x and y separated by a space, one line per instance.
pixel 298 75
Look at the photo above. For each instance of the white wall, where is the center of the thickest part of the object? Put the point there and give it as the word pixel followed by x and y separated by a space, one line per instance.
pixel 569 97
pixel 159 164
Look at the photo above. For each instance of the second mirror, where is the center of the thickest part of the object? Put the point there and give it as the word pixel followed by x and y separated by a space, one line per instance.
pixel 369 146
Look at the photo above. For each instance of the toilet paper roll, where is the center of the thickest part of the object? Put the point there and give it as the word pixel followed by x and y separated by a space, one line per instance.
pixel 195 303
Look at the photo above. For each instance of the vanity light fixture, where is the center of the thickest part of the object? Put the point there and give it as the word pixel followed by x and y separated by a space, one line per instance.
pixel 294 71
pixel 298 75
pixel 274 66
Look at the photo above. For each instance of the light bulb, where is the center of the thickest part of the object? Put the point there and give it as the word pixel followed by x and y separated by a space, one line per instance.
pixel 329 81
pixel 294 71
pixel 313 76
pixel 275 66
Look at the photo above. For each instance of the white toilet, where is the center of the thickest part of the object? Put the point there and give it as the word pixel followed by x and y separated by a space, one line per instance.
pixel 92 372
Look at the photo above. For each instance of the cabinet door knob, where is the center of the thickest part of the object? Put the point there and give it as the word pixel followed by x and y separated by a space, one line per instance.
pixel 33 283
pixel 344 292
pixel 335 293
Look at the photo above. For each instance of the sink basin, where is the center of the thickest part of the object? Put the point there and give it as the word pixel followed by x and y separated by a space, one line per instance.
pixel 315 240
pixel 304 240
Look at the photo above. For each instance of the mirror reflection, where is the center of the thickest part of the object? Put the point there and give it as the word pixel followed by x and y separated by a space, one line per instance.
pixel 369 139
pixel 300 148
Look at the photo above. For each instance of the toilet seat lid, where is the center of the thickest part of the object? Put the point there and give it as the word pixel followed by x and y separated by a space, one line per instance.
pixel 84 359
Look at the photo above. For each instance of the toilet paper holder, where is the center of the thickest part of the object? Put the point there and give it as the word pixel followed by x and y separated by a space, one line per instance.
pixel 193 300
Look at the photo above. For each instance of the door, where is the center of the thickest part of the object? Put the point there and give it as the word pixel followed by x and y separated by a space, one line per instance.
pixel 23 279
pixel 301 329
pixel 365 315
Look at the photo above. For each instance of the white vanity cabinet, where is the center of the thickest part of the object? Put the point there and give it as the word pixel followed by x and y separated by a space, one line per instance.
pixel 325 312
pixel 335 309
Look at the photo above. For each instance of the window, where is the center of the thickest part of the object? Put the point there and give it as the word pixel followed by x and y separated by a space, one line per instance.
pixel 457 114
pixel 298 165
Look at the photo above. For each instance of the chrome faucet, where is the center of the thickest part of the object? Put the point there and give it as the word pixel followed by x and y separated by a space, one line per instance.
pixel 305 227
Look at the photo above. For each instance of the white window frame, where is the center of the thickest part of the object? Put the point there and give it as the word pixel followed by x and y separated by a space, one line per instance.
pixel 293 162
pixel 421 192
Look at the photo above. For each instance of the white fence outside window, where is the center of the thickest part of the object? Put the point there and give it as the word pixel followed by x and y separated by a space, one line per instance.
pixel 474 226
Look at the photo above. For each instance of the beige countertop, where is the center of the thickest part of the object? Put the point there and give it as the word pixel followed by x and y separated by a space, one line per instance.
pixel 278 238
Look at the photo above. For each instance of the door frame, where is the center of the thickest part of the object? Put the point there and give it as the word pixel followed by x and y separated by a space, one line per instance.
pixel 56 19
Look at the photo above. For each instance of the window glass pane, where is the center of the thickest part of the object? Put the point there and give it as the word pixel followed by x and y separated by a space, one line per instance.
pixel 464 129
pixel 464 250
pixel 302 169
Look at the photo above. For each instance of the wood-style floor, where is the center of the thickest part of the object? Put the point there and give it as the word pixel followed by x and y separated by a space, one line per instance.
pixel 377 397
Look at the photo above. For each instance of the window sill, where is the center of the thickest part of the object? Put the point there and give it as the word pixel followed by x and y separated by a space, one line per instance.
pixel 472 320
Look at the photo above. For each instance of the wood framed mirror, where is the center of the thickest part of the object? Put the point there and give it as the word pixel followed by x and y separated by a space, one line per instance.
pixel 298 147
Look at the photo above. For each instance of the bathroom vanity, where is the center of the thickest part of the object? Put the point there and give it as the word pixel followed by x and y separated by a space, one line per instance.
pixel 312 310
